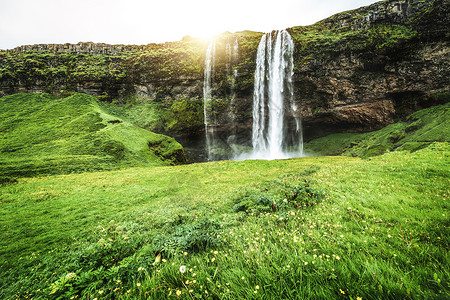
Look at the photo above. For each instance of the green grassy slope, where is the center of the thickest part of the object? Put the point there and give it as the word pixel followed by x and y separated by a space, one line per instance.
pixel 305 228
pixel 418 131
pixel 42 134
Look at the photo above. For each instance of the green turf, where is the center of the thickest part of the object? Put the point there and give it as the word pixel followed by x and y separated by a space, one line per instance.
pixel 418 131
pixel 305 228
pixel 41 134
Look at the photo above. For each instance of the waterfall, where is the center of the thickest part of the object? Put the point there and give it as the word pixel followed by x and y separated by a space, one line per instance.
pixel 273 136
pixel 207 97
pixel 277 126
pixel 235 60
pixel 229 57
pixel 235 50
pixel 232 56
pixel 259 141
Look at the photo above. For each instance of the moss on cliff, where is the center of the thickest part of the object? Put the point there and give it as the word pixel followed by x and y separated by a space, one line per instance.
pixel 379 29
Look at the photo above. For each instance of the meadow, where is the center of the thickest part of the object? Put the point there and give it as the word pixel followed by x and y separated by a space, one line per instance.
pixel 93 207
pixel 305 228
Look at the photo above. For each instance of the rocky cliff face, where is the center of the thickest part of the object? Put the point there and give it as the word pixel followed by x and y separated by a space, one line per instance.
pixel 360 70
pixel 353 93
pixel 397 62
pixel 355 71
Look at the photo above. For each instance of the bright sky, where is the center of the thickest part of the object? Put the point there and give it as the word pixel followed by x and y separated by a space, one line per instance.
pixel 24 22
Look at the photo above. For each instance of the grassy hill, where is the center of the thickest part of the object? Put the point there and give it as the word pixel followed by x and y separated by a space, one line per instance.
pixel 419 130
pixel 42 134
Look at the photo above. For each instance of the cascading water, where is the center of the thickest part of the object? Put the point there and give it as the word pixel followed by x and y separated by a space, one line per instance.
pixel 235 59
pixel 235 50
pixel 277 128
pixel 272 136
pixel 232 54
pixel 207 97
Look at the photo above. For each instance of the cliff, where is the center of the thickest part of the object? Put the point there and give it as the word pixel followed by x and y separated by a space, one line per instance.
pixel 354 72
pixel 364 68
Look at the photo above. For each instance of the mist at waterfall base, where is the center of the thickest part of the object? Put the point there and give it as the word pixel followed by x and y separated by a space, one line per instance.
pixel 276 129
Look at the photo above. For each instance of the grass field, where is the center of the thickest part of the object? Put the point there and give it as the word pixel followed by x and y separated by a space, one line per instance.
pixel 306 228
pixel 91 208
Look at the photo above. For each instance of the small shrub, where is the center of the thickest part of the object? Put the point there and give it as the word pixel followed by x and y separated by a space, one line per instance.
pixel 253 200
pixel 396 136
pixel 375 150
pixel 115 149
pixel 188 237
pixel 287 193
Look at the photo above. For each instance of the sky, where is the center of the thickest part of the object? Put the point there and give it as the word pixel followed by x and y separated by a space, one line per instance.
pixel 140 22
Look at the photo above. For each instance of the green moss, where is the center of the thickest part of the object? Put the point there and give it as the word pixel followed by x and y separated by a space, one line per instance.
pixel 334 144
pixel 186 114
pixel 414 126
pixel 319 42
pixel 396 136
pixel 413 146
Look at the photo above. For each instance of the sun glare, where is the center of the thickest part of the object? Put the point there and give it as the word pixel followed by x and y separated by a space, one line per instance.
pixel 206 32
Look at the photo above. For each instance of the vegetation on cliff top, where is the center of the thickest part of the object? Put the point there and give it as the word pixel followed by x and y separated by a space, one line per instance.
pixel 42 134
pixel 159 64
pixel 352 31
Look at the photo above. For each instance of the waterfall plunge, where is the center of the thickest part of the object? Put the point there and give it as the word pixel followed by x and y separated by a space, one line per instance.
pixel 277 128
pixel 272 137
